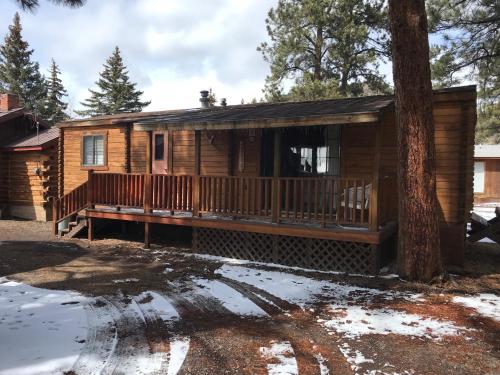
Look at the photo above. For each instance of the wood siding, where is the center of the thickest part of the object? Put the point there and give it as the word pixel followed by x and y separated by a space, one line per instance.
pixel 74 173
pixel 28 194
pixel 491 181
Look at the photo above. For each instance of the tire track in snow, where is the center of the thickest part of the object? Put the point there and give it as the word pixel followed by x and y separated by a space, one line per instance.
pixel 160 314
pixel 101 338
pixel 132 353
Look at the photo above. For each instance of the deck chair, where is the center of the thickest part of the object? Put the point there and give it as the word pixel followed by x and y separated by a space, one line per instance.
pixel 359 197
pixel 482 228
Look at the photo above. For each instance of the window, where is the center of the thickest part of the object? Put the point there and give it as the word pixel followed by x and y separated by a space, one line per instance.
pixel 479 177
pixel 159 146
pixel 93 150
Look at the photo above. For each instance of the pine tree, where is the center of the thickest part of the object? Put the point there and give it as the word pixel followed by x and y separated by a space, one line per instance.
pixel 55 106
pixel 115 94
pixel 330 48
pixel 18 74
pixel 419 255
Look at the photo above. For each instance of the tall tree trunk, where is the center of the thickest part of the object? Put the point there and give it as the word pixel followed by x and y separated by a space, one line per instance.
pixel 419 256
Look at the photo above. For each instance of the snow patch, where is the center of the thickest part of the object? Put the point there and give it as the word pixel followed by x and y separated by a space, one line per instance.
pixel 323 369
pixel 131 280
pixel 231 299
pixel 283 357
pixel 354 321
pixel 485 304
pixel 42 331
pixel 179 348
pixel 354 357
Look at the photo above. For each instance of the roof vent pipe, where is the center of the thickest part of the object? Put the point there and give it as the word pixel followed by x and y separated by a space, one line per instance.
pixel 204 99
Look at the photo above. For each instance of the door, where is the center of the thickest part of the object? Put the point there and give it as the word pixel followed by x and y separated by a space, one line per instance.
pixel 160 152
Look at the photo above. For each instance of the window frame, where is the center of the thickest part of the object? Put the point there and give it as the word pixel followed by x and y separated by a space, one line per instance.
pixel 102 167
pixel 475 182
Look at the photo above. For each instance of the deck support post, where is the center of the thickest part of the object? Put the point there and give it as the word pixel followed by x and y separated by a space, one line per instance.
pixel 90 189
pixel 147 194
pixel 197 169
pixel 276 201
pixel 55 217
pixel 90 228
pixel 373 220
pixel 147 235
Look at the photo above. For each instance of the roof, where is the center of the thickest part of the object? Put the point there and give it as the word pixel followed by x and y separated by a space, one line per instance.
pixel 13 113
pixel 315 112
pixel 34 142
pixel 487 151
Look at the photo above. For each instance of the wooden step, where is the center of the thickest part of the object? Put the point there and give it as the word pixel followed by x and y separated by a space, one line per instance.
pixel 75 230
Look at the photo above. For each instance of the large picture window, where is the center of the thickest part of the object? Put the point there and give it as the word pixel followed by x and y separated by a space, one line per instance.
pixel 93 151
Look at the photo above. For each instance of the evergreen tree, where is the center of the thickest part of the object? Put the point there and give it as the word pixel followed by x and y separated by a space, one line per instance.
pixel 33 4
pixel 55 106
pixel 115 94
pixel 469 48
pixel 18 74
pixel 329 48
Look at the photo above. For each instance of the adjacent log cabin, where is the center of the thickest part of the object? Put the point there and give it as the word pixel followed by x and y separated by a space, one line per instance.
pixel 28 163
pixel 303 183
pixel 487 174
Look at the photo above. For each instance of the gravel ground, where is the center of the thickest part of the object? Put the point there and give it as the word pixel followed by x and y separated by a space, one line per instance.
pixel 234 318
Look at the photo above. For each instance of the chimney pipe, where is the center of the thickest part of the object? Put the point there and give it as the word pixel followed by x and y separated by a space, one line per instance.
pixel 204 99
pixel 9 101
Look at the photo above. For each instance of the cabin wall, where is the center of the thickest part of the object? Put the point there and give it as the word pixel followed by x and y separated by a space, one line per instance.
pixel 74 173
pixel 138 155
pixel 454 121
pixel 246 153
pixel 356 149
pixel 215 155
pixel 183 151
pixel 3 179
pixel 29 194
pixel 491 182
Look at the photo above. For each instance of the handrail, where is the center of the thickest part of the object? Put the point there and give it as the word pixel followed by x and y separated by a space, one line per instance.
pixel 321 200
pixel 69 204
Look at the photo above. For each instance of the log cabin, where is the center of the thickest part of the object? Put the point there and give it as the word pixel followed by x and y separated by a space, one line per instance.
pixel 309 184
pixel 28 162
pixel 487 174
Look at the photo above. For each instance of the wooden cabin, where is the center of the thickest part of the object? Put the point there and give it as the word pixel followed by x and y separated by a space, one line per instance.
pixel 487 174
pixel 28 163
pixel 310 184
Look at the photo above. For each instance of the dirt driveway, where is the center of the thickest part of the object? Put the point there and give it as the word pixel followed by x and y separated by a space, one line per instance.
pixel 113 307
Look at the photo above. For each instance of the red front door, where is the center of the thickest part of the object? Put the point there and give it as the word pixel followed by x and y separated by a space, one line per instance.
pixel 160 152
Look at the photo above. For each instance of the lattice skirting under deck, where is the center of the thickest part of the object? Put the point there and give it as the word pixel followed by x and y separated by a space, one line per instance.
pixel 325 255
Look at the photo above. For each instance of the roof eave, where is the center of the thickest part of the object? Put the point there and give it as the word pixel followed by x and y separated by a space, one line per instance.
pixel 344 118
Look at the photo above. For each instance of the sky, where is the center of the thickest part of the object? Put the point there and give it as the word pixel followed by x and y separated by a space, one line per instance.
pixel 173 49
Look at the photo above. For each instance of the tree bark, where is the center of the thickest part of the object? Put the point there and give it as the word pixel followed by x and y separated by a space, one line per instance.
pixel 419 256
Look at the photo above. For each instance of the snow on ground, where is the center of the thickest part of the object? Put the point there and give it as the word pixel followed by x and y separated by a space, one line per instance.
pixel 351 314
pixel 231 299
pixel 131 280
pixel 355 321
pixel 295 289
pixel 323 369
pixel 281 357
pixel 234 261
pixel 42 331
pixel 485 304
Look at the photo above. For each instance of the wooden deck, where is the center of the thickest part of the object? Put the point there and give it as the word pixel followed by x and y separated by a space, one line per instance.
pixel 327 208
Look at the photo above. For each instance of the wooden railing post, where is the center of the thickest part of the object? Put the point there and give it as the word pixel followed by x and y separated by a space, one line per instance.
pixel 196 196
pixel 90 189
pixel 55 216
pixel 373 214
pixel 147 193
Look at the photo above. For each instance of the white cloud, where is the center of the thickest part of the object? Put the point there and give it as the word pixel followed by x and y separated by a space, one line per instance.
pixel 173 49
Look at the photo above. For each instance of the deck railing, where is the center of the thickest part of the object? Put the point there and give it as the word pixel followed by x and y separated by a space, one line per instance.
pixel 70 204
pixel 318 200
